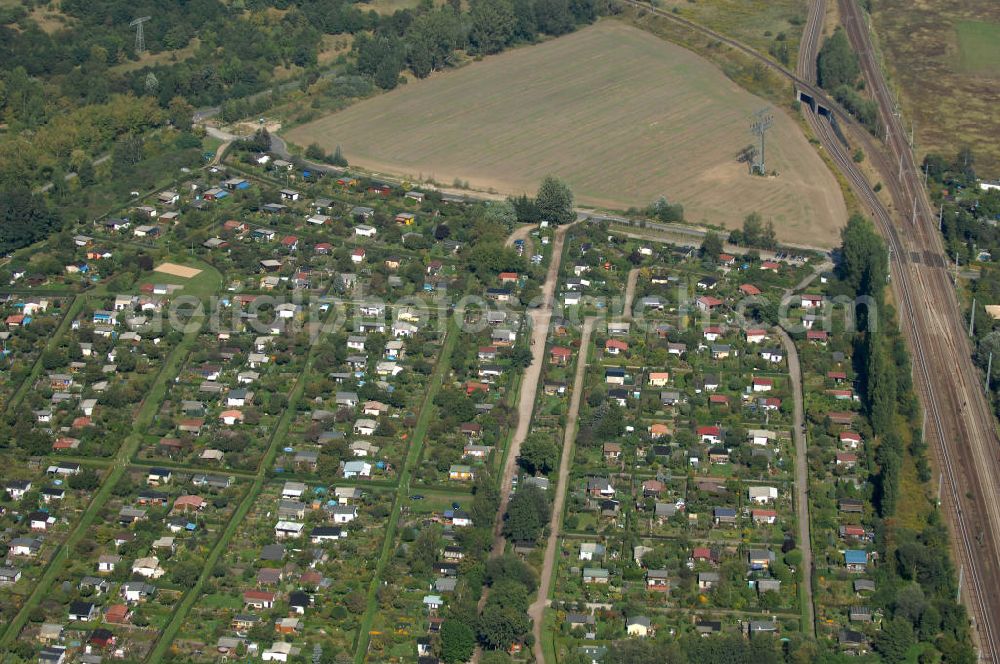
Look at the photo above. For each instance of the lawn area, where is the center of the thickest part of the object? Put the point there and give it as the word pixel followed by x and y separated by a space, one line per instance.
pixel 945 61
pixel 620 114
pixel 436 501
pixel 979 47
pixel 206 282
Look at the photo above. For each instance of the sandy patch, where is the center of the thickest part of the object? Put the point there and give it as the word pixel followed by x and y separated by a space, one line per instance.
pixel 178 270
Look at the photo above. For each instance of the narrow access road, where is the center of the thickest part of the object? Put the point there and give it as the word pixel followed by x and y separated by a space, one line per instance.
pixel 540 319
pixel 537 608
pixel 801 482
pixel 523 233
pixel 633 278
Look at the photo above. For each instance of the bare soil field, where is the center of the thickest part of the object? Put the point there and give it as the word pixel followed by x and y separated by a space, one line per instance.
pixel 178 270
pixel 944 58
pixel 620 114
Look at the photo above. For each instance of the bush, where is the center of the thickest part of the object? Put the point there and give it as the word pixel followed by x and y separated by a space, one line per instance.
pixel 314 151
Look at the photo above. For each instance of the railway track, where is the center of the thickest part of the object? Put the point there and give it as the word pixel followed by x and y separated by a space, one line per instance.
pixel 937 321
pixel 967 443
pixel 961 426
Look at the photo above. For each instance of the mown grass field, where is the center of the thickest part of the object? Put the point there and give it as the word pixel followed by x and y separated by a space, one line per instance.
pixel 979 47
pixel 945 60
pixel 620 114
pixel 205 283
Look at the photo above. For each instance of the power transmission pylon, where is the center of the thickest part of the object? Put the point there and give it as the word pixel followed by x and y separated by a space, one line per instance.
pixel 140 40
pixel 761 122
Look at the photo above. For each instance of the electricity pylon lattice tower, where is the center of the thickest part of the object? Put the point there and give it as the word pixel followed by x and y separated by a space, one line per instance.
pixel 759 124
pixel 140 40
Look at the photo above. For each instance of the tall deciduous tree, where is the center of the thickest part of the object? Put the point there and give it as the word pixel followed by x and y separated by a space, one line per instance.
pixel 836 63
pixel 500 626
pixel 864 262
pixel 527 514
pixel 539 454
pixel 493 25
pixel 180 113
pixel 555 201
pixel 457 641
pixel 711 246
pixel 554 17
pixel 894 640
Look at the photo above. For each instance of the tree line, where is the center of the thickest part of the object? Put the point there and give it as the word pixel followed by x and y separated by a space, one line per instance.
pixel 838 72
pixel 915 576
pixel 426 39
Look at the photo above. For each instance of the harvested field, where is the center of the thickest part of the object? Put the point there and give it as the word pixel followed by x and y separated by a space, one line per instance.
pixel 178 270
pixel 945 61
pixel 620 114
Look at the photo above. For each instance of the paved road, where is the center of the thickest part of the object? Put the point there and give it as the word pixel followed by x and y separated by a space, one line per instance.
pixel 801 480
pixel 537 608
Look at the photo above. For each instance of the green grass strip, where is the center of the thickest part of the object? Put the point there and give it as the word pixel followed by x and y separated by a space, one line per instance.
pixel 412 455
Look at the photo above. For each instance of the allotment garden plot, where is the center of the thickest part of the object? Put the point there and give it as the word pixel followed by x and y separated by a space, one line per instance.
pixel 680 511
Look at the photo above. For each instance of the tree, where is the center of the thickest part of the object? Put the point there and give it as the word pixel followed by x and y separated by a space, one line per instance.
pixel 185 574
pixel 181 114
pixel 664 211
pixel 86 480
pixel 485 500
pixel 315 151
pixel 894 640
pixel 338 158
pixel 555 201
pixel 496 657
pixel 500 626
pixel 500 213
pixel 87 173
pixel 24 218
pixel 261 141
pixel 864 261
pixel 509 567
pixel 492 25
pixel 539 454
pixel 527 514
pixel 836 63
pixel 526 209
pixel 526 29
pixel 910 603
pixel 490 259
pixel 880 386
pixel 711 246
pixel 127 152
pixel 554 17
pixel 457 641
